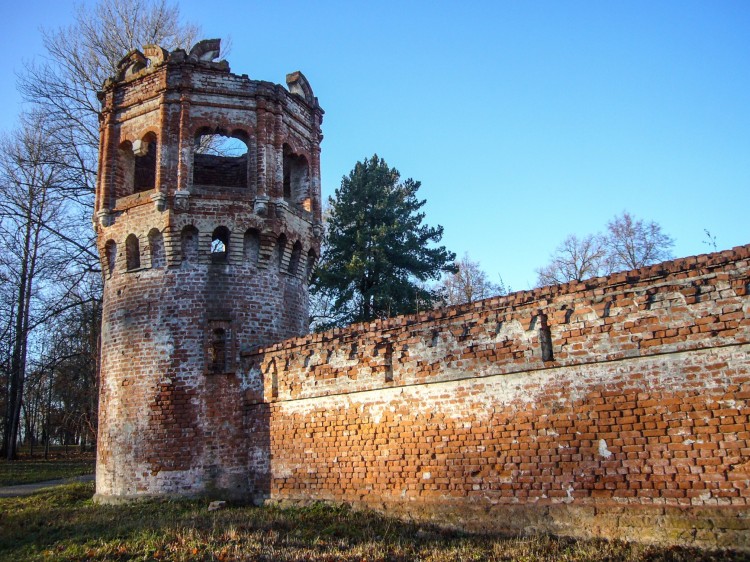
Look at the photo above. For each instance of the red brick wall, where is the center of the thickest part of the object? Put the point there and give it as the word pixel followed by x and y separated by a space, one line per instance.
pixel 454 414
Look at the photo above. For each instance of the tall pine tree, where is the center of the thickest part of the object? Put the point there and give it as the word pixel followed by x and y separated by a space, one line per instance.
pixel 378 254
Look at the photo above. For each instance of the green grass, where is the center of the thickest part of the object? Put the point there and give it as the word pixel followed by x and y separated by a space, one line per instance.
pixel 28 471
pixel 64 524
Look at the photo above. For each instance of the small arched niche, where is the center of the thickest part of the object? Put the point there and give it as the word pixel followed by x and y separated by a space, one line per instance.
pixel 220 159
pixel 144 174
pixel 156 248
pixel 251 246
pixel 280 249
pixel 312 259
pixel 296 179
pixel 132 252
pixel 295 258
pixel 110 254
pixel 189 244
pixel 220 245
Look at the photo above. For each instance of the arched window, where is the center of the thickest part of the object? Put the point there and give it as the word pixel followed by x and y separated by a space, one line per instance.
pixel 132 252
pixel 280 249
pixel 189 244
pixel 295 258
pixel 220 245
pixel 296 178
pixel 110 253
pixel 144 176
pixel 156 248
pixel 220 159
pixel 251 246
pixel 125 170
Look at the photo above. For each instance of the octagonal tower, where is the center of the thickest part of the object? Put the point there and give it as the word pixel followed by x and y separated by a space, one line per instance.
pixel 208 222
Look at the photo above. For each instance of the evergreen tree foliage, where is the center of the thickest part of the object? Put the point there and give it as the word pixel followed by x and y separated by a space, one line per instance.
pixel 378 252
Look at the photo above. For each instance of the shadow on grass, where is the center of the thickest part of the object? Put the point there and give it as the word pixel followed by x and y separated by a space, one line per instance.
pixel 64 524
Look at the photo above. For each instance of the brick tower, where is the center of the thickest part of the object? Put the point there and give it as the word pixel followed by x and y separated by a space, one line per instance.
pixel 208 222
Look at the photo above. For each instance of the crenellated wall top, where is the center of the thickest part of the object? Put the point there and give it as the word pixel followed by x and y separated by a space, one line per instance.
pixel 691 303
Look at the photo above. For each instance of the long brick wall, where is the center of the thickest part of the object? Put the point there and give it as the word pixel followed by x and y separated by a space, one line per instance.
pixel 616 406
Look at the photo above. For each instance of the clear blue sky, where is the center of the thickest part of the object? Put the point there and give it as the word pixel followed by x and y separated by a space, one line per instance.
pixel 524 121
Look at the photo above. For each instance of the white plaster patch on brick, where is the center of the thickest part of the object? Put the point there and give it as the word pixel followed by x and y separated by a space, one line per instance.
pixel 426 475
pixel 376 412
pixel 603 450
pixel 340 359
pixel 164 344
pixel 251 380
pixel 511 330
pixel 523 389
pixel 258 460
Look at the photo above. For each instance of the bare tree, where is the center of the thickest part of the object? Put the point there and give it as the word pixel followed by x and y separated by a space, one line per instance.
pixel 573 260
pixel 468 284
pixel 632 243
pixel 30 207
pixel 55 161
pixel 629 243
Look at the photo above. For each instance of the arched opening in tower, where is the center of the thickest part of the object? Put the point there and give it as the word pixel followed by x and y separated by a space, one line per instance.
pixel 220 159
pixel 124 170
pixel 220 245
pixel 296 179
pixel 144 174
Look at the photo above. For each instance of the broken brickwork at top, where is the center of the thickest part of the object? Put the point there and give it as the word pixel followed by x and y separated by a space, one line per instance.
pixel 690 303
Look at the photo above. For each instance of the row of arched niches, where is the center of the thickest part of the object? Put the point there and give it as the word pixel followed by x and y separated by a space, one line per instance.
pixel 221 158
pixel 192 247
